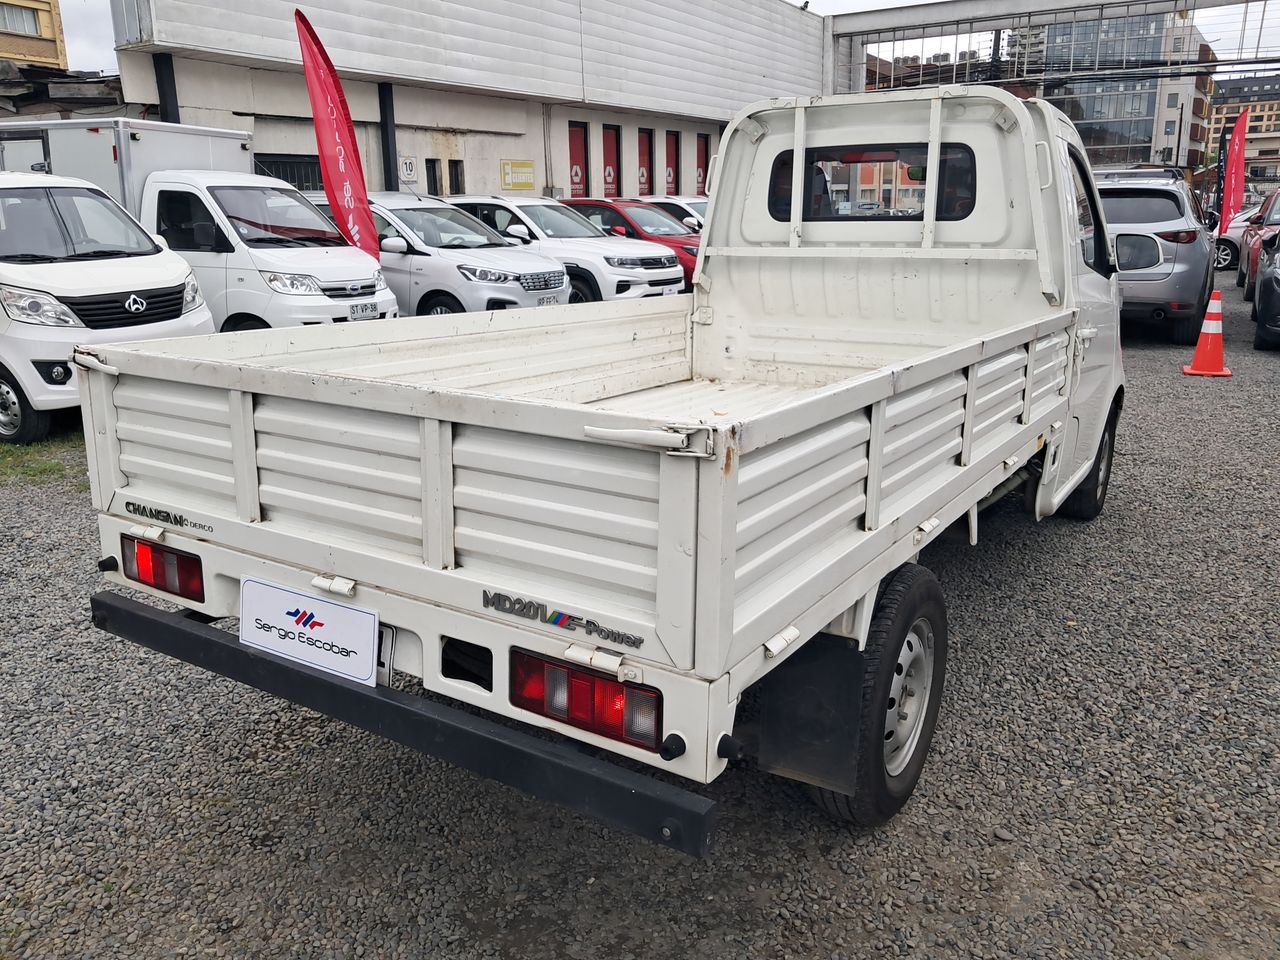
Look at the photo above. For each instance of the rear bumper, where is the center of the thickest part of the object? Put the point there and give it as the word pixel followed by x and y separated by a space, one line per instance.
pixel 557 772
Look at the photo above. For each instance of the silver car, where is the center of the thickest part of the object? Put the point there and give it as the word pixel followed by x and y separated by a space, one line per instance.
pixel 1176 292
pixel 1226 253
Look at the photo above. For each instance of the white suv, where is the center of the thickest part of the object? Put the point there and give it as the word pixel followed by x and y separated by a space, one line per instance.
pixel 691 211
pixel 438 259
pixel 600 267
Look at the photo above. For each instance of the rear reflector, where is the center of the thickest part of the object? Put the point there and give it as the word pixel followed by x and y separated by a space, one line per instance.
pixel 586 699
pixel 172 571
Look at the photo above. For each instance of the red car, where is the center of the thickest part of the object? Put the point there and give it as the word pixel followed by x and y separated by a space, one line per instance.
pixel 643 221
pixel 1262 224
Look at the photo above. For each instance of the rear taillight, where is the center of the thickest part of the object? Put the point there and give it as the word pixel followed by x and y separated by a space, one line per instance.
pixel 172 571
pixel 1180 236
pixel 586 699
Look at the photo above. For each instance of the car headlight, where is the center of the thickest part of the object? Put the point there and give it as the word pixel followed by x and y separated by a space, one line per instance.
pixel 625 263
pixel 486 275
pixel 691 251
pixel 292 282
pixel 32 306
pixel 191 294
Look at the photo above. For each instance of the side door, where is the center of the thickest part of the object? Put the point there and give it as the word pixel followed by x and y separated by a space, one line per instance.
pixel 399 269
pixel 606 218
pixel 1097 331
pixel 190 230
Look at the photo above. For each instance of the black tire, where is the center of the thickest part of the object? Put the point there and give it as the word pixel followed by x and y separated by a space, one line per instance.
pixel 1250 288
pixel 240 324
pixel 1186 330
pixel 19 421
pixel 1088 499
pixel 1224 255
pixel 911 595
pixel 1259 341
pixel 582 290
pixel 1240 271
pixel 438 305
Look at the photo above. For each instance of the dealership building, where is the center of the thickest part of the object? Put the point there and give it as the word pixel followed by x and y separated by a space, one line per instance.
pixel 556 97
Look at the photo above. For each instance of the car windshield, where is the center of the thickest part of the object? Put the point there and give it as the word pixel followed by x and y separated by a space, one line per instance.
pixel 42 225
pixel 560 222
pixel 1140 206
pixel 655 222
pixel 447 227
pixel 275 217
pixel 697 206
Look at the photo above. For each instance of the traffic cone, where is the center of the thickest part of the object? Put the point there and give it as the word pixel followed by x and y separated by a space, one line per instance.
pixel 1207 361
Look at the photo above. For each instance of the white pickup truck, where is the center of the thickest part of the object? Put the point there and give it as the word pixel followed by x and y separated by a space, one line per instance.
pixel 612 521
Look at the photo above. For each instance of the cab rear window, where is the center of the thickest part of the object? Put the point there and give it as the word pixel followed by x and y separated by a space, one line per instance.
pixel 874 182
pixel 1140 206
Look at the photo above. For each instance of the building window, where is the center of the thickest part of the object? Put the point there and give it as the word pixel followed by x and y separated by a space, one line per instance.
pixel 19 20
pixel 432 167
pixel 1177 43
pixel 456 182
pixel 1170 126
pixel 1173 101
pixel 301 170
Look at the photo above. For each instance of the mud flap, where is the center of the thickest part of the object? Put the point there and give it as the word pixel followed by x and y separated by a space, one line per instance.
pixel 810 714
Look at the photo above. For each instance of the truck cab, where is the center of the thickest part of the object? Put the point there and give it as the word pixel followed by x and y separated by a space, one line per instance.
pixel 264 255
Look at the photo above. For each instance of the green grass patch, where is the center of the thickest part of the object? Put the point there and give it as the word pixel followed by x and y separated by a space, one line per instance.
pixel 39 461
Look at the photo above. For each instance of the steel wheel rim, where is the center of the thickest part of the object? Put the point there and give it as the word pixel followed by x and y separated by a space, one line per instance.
pixel 1104 465
pixel 908 697
pixel 10 410
pixel 1222 256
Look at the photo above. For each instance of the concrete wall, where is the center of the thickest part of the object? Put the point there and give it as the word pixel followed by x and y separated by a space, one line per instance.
pixel 695 58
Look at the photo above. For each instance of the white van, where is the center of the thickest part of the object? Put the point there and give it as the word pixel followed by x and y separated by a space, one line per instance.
pixel 263 255
pixel 75 268
pixel 439 259
pixel 601 266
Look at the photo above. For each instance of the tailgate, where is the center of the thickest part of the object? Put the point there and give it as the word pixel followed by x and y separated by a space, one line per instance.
pixel 541 526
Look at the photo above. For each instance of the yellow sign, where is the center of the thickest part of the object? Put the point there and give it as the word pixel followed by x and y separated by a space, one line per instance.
pixel 517 174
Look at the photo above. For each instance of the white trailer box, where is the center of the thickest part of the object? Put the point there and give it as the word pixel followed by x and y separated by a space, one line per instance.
pixel 119 154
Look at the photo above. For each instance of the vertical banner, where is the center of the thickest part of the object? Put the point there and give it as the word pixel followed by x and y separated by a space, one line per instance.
pixel 645 162
pixel 612 167
pixel 700 170
pixel 672 163
pixel 1233 180
pixel 578 160
pixel 336 143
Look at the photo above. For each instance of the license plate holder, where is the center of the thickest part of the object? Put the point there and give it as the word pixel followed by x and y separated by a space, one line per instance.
pixel 364 311
pixel 335 637
pixel 670 290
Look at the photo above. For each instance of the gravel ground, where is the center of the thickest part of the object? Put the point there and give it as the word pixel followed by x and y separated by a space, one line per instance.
pixel 1104 781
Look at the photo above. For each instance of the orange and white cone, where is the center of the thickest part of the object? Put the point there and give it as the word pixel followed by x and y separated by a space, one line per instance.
pixel 1208 361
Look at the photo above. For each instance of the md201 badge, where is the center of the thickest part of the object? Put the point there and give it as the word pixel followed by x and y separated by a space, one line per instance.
pixel 534 610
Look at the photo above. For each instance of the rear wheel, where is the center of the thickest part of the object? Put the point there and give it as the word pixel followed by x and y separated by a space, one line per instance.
pixel 439 305
pixel 905 664
pixel 1186 330
pixel 1088 499
pixel 19 421
pixel 1250 288
pixel 1240 271
pixel 1224 255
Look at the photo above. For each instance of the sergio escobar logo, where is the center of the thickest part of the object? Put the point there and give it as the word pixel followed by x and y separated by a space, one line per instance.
pixel 301 635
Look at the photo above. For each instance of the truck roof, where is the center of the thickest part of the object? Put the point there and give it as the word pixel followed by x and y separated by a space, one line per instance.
pixel 222 178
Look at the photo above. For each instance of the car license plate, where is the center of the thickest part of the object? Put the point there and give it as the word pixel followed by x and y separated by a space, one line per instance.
pixel 334 637
pixel 547 300
pixel 668 291
pixel 364 311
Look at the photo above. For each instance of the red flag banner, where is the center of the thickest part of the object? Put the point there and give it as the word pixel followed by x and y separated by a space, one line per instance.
pixel 1233 181
pixel 336 140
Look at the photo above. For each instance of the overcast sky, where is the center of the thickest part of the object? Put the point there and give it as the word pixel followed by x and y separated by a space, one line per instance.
pixel 90 38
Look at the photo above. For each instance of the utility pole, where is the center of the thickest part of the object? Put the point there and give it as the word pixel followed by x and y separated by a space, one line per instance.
pixel 1177 144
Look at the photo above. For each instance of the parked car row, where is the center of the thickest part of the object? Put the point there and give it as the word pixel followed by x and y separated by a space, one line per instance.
pixel 1263 224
